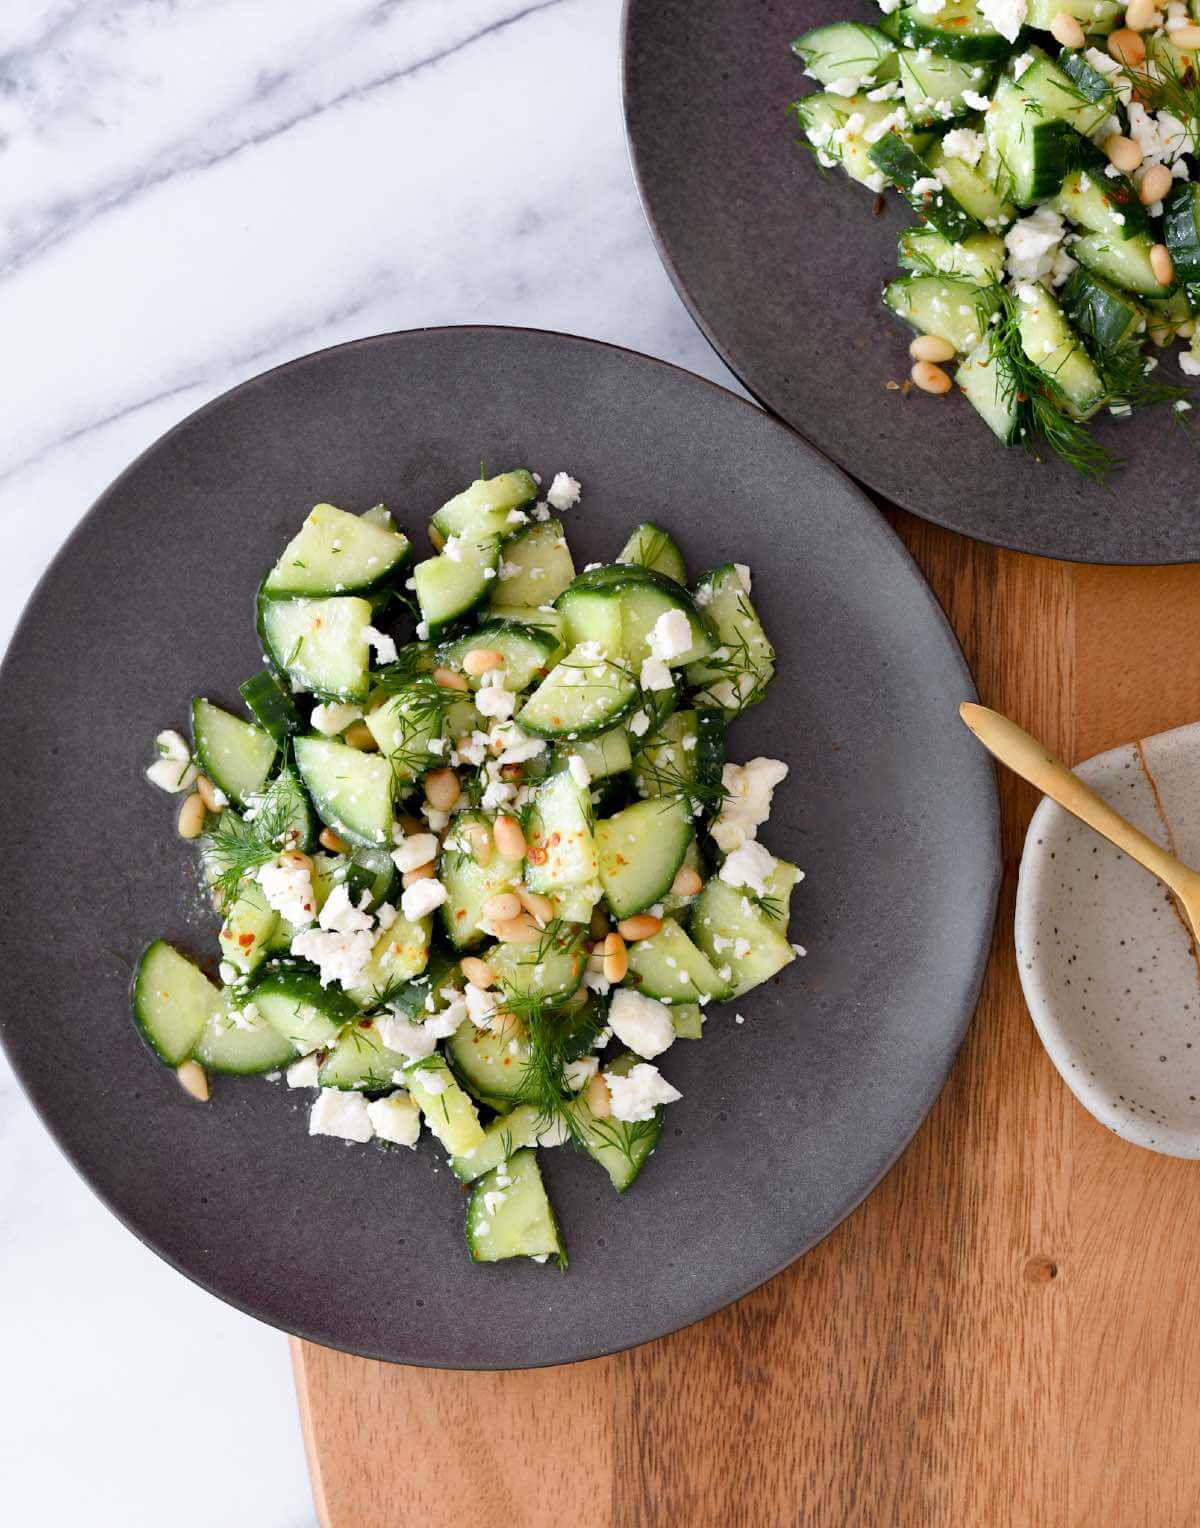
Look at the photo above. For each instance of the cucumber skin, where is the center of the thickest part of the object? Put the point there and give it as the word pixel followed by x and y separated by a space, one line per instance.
pixel 1181 228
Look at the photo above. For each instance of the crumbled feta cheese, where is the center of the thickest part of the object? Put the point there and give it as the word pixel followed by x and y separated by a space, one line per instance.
pixel 396 1118
pixel 420 899
pixel 303 1073
pixel 846 86
pixel 965 144
pixel 492 699
pixel 341 946
pixel 453 548
pixel 333 718
pixel 655 675
pixel 341 1114
pixel 409 1039
pixel 638 1095
pixel 925 185
pixel 639 724
pixel 173 770
pixel 1032 244
pixel 887 92
pixel 481 1005
pixel 416 850
pixel 749 791
pixel 287 885
pixel 383 646
pixel 975 101
pixel 1189 363
pixel 670 636
pixel 742 570
pixel 579 771
pixel 563 493
pixel 641 1023
pixel 577 1074
pixel 930 7
pixel 749 865
pixel 1019 65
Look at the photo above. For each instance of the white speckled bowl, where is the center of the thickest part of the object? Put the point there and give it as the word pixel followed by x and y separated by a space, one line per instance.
pixel 1109 971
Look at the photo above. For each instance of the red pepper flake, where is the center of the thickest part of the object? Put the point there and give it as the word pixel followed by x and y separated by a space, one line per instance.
pixel 245 940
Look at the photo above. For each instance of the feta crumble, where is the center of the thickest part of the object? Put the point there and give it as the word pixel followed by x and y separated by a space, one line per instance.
pixel 638 1095
pixel 641 1023
pixel 563 493
pixel 341 1114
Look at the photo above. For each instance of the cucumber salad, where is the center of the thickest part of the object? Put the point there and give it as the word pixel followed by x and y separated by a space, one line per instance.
pixel 1047 148
pixel 482 879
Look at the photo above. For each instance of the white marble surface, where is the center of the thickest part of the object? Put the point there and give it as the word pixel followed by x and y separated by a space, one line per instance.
pixel 192 191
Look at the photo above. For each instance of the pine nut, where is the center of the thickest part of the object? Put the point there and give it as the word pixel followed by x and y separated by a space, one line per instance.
pixel 482 660
pixel 207 792
pixel 616 958
pixel 1127 48
pixel 687 882
pixel 931 347
pixel 598 926
pixel 298 858
pixel 522 929
pixel 191 817
pixel 1156 182
pixel 449 679
pixel 502 1021
pixel 359 735
pixel 481 844
pixel 536 905
pixel 509 838
pixel 477 971
pixel 436 537
pixel 597 1096
pixel 1066 30
pixel 500 908
pixel 1139 15
pixel 1161 334
pixel 332 841
pixel 1123 153
pixel 1187 38
pixel 193 1079
pixel 1162 265
pixel 640 926
pixel 1186 329
pixel 421 873
pixel 442 789
pixel 930 378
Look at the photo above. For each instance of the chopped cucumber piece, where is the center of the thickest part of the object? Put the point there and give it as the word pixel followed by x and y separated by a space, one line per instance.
pixel 608 753
pixel 1102 203
pixel 736 934
pixel 271 706
pixel 447 1110
pixel 979 259
pixel 360 1062
pixel 640 851
pixel 837 127
pixel 1060 96
pixel 319 644
pixel 405 724
pixel 581 696
pixel 991 389
pixel 1181 229
pixel 292 1000
pixel 1124 262
pixel 1096 16
pixel 741 667
pixel 483 508
pixel 249 928
pixel 550 970
pixel 561 852
pixel 245 1047
pixel 492 1064
pixel 669 967
pixel 1048 341
pixel 591 615
pixel 337 553
pixel 957 31
pixel 501 1139
pixel 1035 150
pixel 509 1215
pixel 235 755
pixel 535 566
pixel 620 1146
pixel 687 750
pixel 845 50
pixel 400 953
pixel 528 652
pixel 449 586
pixel 548 620
pixel 933 202
pixel 975 187
pixel 688 1020
pixel 468 884
pixel 172 1002
pixel 956 311
pixel 351 790
pixel 649 546
pixel 1104 316
pixel 934 85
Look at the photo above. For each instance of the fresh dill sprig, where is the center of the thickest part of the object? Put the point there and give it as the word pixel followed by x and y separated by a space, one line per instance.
pixel 1160 84
pixel 624 1136
pixel 744 673
pixel 1127 379
pixel 420 710
pixel 1042 417
pixel 412 660
pixel 240 846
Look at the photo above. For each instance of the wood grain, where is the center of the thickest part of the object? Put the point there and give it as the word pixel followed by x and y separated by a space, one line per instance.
pixel 1002 1334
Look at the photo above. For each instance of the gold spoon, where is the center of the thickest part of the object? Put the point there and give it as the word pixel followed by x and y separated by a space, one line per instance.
pixel 1025 756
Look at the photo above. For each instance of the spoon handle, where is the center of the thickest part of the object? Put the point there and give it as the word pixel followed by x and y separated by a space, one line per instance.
pixel 1025 756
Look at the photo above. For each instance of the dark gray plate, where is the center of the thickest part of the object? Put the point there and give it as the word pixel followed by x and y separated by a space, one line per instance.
pixel 787 1120
pixel 782 269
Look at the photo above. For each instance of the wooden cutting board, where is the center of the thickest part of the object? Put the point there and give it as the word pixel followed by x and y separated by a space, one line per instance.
pixel 1005 1332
